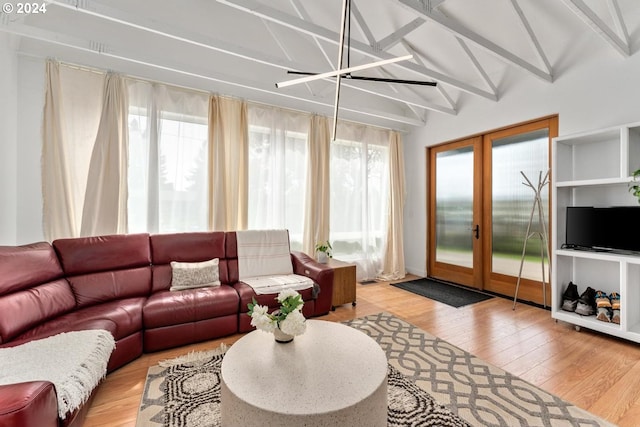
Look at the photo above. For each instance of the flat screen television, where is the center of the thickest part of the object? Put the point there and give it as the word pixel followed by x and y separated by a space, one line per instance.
pixel 615 229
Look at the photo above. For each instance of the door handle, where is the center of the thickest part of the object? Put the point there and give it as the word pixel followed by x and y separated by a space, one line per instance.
pixel 476 231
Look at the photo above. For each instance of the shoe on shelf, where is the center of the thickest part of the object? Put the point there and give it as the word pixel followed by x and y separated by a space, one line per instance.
pixel 604 314
pixel 615 318
pixel 615 306
pixel 570 297
pixel 602 300
pixel 587 303
pixel 615 300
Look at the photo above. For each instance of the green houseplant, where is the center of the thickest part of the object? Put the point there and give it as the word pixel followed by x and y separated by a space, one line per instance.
pixel 634 186
pixel 324 251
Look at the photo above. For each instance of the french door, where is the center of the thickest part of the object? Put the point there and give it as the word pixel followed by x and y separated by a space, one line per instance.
pixel 455 175
pixel 479 210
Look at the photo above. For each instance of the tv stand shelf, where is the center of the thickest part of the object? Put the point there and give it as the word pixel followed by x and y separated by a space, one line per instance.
pixel 594 169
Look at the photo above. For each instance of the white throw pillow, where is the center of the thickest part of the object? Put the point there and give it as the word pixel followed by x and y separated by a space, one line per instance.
pixel 189 275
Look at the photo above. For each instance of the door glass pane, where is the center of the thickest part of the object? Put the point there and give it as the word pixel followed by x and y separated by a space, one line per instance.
pixel 454 207
pixel 512 202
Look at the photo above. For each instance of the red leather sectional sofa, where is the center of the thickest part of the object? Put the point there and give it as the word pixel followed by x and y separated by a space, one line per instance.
pixel 121 283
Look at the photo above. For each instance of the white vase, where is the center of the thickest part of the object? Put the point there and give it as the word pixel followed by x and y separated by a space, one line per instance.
pixel 281 337
pixel 323 258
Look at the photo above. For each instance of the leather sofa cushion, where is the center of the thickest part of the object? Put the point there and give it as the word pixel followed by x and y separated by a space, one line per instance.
pixel 97 288
pixel 29 404
pixel 122 318
pixel 25 309
pixel 187 247
pixel 105 253
pixel 22 267
pixel 166 308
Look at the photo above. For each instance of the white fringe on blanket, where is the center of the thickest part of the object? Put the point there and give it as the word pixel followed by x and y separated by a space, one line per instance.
pixel 74 362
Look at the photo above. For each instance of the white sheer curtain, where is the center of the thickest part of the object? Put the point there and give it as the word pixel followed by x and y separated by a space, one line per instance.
pixel 73 103
pixel 168 168
pixel 105 201
pixel 360 197
pixel 278 155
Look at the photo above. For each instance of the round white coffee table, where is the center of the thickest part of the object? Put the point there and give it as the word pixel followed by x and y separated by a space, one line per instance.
pixel 332 375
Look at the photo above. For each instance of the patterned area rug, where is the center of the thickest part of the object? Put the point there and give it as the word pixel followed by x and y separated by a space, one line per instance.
pixel 186 392
pixel 481 394
pixel 430 380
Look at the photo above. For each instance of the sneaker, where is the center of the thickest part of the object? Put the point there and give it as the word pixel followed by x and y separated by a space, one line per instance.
pixel 604 314
pixel 587 303
pixel 570 297
pixel 615 306
pixel 615 317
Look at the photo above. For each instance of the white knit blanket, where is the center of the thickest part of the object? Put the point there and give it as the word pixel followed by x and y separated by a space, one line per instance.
pixel 263 253
pixel 74 362
pixel 275 284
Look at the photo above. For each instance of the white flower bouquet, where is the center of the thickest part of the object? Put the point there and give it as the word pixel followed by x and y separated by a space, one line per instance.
pixel 288 318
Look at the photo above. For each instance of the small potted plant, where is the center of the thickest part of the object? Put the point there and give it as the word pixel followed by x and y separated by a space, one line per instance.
pixel 634 186
pixel 324 251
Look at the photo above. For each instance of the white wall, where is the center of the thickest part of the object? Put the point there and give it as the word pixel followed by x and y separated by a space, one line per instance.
pixel 602 90
pixel 8 139
pixel 21 103
pixel 31 89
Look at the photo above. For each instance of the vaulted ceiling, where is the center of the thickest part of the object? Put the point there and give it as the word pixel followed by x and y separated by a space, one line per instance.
pixel 242 48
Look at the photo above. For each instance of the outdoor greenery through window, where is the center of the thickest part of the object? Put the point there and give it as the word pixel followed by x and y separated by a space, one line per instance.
pixel 168 167
pixel 277 180
pixel 359 199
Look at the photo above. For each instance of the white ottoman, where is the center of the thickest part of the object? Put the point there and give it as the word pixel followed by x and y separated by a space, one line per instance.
pixel 332 375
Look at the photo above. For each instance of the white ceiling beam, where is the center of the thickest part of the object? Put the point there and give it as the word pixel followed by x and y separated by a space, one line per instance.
pixel 532 36
pixel 440 88
pixel 368 34
pixel 302 13
pixel 618 21
pixel 267 12
pixel 598 25
pixel 476 64
pixel 397 36
pixel 434 4
pixel 166 30
pixel 475 38
pixel 167 64
pixel 362 24
pixel 275 38
pixel 115 15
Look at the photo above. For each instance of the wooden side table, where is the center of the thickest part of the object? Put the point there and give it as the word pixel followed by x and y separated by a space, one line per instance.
pixel 344 283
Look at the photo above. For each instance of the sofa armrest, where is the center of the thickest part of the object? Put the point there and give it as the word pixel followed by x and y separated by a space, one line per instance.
pixel 31 403
pixel 322 274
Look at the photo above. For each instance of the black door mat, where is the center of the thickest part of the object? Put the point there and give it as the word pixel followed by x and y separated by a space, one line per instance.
pixel 453 295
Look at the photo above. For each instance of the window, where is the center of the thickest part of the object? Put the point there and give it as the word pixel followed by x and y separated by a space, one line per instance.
pixel 359 197
pixel 168 160
pixel 278 158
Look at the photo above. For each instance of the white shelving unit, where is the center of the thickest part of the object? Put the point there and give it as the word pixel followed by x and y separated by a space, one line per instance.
pixel 594 169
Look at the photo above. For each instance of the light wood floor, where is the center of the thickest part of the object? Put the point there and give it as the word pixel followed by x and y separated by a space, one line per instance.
pixel 593 371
